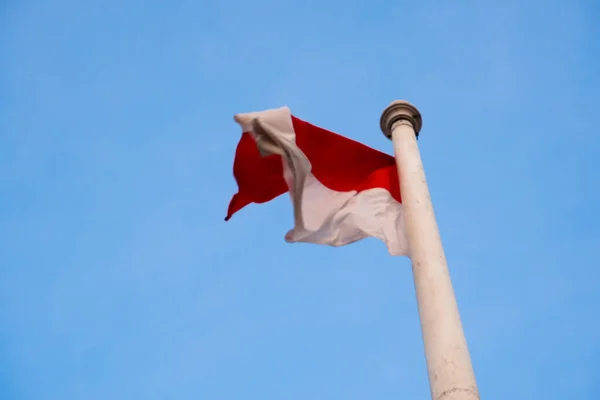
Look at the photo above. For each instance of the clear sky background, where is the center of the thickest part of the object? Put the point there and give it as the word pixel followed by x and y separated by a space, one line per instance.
pixel 119 278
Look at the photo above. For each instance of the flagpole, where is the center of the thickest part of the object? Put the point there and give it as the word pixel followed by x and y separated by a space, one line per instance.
pixel 451 375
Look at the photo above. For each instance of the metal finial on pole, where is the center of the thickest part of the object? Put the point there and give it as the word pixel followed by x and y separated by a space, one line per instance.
pixel 400 110
pixel 451 375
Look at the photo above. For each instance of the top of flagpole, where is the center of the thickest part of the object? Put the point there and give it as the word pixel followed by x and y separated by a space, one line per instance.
pixel 400 110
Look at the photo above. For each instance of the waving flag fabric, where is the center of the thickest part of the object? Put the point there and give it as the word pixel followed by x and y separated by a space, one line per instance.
pixel 341 190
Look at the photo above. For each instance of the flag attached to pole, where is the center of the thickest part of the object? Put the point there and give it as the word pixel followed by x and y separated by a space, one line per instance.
pixel 342 191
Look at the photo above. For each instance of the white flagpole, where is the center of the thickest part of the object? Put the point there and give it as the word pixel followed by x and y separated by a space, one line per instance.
pixel 451 375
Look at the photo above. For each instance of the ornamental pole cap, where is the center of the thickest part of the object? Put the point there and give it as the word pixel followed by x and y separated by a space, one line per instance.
pixel 400 110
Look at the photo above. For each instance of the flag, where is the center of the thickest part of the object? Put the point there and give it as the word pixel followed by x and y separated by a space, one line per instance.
pixel 342 191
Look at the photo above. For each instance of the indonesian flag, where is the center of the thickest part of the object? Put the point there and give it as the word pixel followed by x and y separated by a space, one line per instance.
pixel 342 191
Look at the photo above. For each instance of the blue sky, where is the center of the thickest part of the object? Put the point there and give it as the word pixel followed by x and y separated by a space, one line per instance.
pixel 120 280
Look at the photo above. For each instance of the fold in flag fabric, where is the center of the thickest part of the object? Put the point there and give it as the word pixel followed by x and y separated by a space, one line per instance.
pixel 342 191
